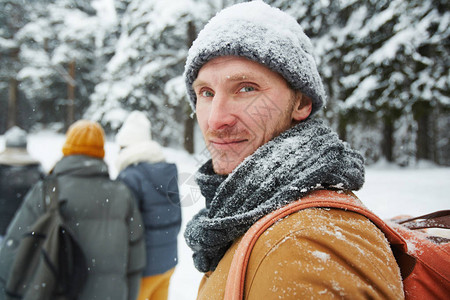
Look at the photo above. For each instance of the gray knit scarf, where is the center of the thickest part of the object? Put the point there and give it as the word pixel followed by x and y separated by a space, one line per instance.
pixel 308 156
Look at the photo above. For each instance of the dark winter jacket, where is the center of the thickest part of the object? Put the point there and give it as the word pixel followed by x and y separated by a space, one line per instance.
pixel 18 173
pixel 156 189
pixel 104 219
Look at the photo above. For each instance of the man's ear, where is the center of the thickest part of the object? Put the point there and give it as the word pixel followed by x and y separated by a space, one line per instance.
pixel 302 107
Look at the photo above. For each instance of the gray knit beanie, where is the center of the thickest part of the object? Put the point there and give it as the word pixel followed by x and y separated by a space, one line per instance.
pixel 264 34
pixel 16 137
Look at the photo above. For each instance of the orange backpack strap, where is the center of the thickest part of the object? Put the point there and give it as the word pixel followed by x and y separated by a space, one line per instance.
pixel 424 265
pixel 322 198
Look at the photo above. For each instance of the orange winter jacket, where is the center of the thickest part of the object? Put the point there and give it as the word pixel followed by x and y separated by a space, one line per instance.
pixel 316 253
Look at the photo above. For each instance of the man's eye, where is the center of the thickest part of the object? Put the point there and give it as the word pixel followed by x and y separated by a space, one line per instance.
pixel 246 89
pixel 207 94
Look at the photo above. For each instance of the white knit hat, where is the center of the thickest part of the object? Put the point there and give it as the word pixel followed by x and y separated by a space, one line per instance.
pixel 135 129
pixel 264 34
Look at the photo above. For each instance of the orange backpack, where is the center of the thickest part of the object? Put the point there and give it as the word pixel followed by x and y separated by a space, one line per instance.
pixel 424 261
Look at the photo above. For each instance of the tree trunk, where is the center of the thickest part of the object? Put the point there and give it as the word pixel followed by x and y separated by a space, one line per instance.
pixel 388 139
pixel 189 134
pixel 342 127
pixel 71 95
pixel 422 112
pixel 12 94
pixel 12 103
pixel 189 122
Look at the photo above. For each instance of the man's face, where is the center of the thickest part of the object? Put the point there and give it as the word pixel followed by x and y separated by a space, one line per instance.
pixel 241 105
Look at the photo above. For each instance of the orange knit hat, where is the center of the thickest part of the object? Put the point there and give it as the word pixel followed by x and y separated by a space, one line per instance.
pixel 85 137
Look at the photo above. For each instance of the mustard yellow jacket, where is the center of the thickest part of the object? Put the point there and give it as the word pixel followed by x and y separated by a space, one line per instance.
pixel 315 253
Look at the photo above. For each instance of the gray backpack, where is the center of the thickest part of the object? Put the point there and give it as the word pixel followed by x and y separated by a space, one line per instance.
pixel 49 263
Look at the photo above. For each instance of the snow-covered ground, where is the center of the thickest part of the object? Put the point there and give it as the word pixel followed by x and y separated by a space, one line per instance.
pixel 388 191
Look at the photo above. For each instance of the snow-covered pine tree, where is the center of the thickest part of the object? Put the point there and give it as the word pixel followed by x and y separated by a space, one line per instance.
pixel 145 72
pixel 14 108
pixel 385 66
pixel 55 36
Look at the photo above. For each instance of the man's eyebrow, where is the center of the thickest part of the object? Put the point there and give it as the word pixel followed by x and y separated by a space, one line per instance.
pixel 241 76
pixel 234 77
pixel 198 82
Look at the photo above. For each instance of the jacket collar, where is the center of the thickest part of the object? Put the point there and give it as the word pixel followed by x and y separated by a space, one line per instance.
pixel 146 151
pixel 17 157
pixel 81 165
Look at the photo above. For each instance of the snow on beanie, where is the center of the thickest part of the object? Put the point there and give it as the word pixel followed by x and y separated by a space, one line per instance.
pixel 135 129
pixel 86 138
pixel 264 34
pixel 15 137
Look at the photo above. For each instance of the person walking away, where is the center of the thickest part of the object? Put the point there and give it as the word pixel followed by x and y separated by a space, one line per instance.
pixel 101 213
pixel 19 171
pixel 253 82
pixel 143 168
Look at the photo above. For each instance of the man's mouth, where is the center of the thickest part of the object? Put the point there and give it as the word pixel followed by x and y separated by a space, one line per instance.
pixel 228 142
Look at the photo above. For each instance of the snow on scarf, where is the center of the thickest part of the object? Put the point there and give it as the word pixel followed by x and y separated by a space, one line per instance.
pixel 308 156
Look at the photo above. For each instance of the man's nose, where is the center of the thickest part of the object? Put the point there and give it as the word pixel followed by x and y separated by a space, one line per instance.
pixel 222 113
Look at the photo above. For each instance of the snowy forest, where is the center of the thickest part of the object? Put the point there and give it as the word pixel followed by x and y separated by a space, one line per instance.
pixel 384 63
